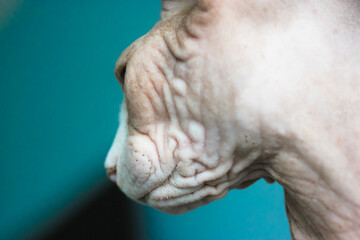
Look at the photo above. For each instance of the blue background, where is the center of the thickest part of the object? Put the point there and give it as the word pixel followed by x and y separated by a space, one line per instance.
pixel 59 103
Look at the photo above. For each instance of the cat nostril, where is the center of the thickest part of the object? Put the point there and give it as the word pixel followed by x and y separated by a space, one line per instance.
pixel 121 74
pixel 111 172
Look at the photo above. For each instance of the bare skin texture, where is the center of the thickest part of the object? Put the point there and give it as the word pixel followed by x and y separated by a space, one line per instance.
pixel 221 93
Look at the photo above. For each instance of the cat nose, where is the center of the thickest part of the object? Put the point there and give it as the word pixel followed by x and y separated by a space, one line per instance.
pixel 111 172
pixel 110 164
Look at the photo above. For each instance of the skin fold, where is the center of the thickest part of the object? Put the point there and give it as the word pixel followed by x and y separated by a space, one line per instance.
pixel 221 93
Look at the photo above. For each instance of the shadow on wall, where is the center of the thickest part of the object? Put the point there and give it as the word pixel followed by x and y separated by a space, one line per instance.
pixel 105 215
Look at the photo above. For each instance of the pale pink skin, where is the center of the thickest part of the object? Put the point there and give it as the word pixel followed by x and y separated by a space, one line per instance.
pixel 221 93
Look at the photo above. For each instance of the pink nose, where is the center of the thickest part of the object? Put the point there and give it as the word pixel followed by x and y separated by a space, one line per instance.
pixel 111 172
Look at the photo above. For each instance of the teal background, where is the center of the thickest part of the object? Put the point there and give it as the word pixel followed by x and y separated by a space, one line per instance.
pixel 59 103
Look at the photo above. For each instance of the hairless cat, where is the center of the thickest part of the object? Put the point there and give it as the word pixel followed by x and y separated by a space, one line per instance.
pixel 221 93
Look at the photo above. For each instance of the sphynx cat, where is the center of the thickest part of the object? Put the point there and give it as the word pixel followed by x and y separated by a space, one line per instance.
pixel 221 93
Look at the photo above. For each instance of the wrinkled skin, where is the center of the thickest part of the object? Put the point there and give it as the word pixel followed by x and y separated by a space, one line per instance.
pixel 221 93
